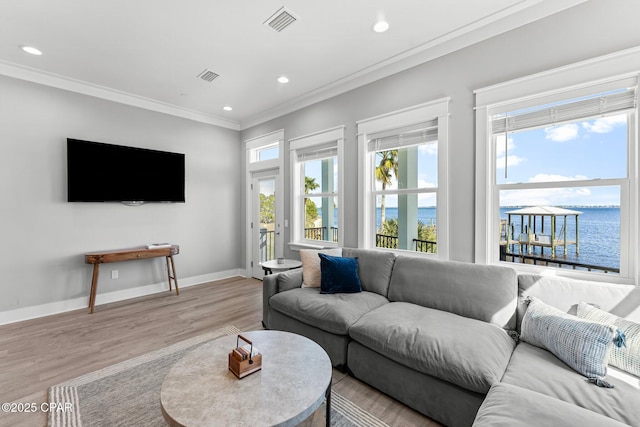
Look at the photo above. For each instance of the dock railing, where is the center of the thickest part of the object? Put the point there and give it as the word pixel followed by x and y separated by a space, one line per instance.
pixel 554 262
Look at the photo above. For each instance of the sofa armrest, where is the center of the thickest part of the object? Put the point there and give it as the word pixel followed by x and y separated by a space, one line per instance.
pixel 274 283
pixel 290 279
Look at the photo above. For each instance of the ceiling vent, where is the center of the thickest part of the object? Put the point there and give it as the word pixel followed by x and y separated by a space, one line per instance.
pixel 208 75
pixel 281 19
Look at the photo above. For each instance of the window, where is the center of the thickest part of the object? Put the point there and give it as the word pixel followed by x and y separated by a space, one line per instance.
pixel 268 152
pixel 403 179
pixel 316 164
pixel 559 169
pixel 264 148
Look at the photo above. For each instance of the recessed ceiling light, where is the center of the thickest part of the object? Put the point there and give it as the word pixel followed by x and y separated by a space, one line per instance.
pixel 30 49
pixel 283 79
pixel 227 108
pixel 380 26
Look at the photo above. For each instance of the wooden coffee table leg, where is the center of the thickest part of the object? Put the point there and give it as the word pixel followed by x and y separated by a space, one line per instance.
pixel 94 287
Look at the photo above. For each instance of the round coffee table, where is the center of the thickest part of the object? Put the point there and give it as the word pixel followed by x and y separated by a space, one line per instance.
pixel 287 264
pixel 294 380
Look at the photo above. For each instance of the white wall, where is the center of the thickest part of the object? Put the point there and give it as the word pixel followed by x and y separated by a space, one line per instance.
pixel 591 29
pixel 43 238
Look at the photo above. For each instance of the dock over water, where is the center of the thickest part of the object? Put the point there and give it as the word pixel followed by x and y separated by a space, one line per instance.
pixel 532 231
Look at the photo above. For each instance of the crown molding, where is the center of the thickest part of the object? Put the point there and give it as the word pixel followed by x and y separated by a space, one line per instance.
pixel 518 15
pixel 78 86
pixel 509 18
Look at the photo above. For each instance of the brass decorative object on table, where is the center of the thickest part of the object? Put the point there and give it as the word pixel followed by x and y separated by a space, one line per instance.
pixel 244 361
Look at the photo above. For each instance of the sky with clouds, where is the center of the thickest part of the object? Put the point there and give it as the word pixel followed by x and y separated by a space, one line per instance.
pixel 592 149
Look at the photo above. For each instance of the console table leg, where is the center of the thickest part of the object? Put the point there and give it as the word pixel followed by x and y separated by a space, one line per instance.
pixel 168 272
pixel 175 276
pixel 94 287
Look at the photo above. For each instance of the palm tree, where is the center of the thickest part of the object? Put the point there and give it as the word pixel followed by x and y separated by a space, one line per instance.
pixel 387 166
pixel 310 184
pixel 311 210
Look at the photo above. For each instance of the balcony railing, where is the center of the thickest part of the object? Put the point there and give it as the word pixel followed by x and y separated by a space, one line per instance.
pixel 268 239
pixel 428 246
pixel 321 233
pixel 391 242
pixel 267 245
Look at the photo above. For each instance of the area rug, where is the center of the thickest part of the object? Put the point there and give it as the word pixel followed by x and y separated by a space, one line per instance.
pixel 128 393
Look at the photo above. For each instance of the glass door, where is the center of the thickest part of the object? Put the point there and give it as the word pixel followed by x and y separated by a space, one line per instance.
pixel 265 228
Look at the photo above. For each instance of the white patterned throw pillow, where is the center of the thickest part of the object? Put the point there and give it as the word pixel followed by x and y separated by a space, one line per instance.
pixel 583 345
pixel 627 355
pixel 311 265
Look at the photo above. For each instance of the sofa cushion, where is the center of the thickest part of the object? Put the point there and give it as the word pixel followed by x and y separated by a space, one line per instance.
pixel 627 356
pixel 583 345
pixel 510 406
pixel 565 294
pixel 466 352
pixel 538 370
pixel 311 274
pixel 482 292
pixel 374 268
pixel 339 275
pixel 333 313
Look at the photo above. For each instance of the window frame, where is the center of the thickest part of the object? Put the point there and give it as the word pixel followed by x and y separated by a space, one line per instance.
pixel 581 79
pixel 325 139
pixel 436 110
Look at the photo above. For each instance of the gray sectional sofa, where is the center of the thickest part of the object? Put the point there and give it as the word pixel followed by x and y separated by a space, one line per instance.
pixel 438 336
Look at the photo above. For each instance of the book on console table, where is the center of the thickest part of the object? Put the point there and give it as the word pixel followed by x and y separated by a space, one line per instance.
pixel 158 245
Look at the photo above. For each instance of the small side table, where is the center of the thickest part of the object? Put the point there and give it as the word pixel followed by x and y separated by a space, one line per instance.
pixel 287 264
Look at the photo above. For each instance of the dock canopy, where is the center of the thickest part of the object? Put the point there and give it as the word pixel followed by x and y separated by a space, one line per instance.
pixel 544 211
pixel 530 237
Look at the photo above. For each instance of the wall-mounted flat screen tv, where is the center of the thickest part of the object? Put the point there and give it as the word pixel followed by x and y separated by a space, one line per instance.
pixel 98 172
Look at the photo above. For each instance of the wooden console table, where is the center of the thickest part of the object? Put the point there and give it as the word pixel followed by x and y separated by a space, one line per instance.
pixel 118 255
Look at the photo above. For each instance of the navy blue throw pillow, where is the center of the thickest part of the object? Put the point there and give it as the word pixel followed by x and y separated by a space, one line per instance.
pixel 339 275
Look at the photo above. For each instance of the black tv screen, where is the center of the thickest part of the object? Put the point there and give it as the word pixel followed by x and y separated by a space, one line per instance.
pixel 98 172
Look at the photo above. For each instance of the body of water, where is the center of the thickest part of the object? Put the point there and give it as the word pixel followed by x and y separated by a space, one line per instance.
pixel 598 238
pixel 599 232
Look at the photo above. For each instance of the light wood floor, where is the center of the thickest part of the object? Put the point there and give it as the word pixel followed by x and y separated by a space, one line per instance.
pixel 37 354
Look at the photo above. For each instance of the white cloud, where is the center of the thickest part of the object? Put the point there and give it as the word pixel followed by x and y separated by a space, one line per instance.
pixel 511 161
pixel 425 184
pixel 545 177
pixel 500 148
pixel 545 197
pixel 428 199
pixel 562 133
pixel 431 149
pixel 604 124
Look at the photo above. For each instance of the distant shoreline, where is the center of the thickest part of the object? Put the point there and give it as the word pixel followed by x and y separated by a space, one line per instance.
pixel 569 206
pixel 525 206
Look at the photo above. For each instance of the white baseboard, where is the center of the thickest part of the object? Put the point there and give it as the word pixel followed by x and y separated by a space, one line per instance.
pixel 26 313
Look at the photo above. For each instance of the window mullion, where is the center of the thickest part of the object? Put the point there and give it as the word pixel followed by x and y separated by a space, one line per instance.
pixel 406 191
pixel 563 184
pixel 308 195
